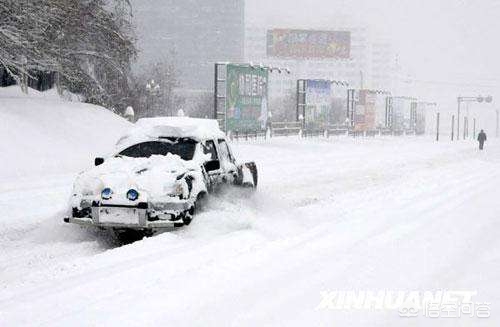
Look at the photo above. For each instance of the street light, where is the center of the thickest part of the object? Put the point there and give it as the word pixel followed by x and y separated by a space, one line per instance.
pixel 152 88
pixel 479 99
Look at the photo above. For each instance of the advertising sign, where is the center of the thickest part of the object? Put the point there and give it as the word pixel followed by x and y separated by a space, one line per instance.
pixel 303 44
pixel 246 98
pixel 318 102
pixel 365 113
pixel 400 115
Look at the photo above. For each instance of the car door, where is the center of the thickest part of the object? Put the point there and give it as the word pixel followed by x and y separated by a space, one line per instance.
pixel 211 156
pixel 228 164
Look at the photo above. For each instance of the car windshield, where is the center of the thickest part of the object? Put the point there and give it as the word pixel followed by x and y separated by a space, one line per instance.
pixel 183 147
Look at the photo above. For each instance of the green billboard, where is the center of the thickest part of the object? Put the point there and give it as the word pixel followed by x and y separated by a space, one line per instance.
pixel 246 98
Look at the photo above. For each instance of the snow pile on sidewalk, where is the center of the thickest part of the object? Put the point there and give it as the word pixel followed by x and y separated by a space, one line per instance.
pixel 43 134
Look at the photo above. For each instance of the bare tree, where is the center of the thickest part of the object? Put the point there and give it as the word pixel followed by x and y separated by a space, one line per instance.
pixel 88 43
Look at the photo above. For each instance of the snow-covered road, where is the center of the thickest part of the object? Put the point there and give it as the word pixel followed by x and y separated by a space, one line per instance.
pixel 336 214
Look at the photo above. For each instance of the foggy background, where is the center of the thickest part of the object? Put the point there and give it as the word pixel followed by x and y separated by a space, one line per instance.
pixel 442 49
pixel 445 40
pixel 445 48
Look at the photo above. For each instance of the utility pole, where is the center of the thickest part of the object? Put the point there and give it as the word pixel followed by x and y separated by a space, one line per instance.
pixel 437 127
pixel 458 120
pixel 478 99
pixel 216 90
pixel 465 127
pixel 497 124
pixel 474 132
pixel 388 112
pixel 351 94
pixel 452 126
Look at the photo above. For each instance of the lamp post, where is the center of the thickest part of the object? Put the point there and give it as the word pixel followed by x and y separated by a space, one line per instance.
pixel 479 99
pixel 152 88
pixel 497 127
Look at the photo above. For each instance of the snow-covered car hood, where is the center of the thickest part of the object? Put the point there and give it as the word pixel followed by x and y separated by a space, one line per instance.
pixel 154 176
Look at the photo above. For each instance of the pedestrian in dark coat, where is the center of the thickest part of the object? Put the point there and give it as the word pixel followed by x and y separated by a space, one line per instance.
pixel 481 138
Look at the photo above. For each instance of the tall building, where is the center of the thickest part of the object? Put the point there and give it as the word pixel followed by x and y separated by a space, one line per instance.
pixel 193 34
pixel 369 65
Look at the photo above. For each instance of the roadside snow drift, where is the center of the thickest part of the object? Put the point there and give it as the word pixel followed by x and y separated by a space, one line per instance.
pixel 42 134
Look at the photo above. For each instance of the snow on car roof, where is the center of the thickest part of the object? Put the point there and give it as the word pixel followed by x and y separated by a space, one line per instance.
pixel 153 128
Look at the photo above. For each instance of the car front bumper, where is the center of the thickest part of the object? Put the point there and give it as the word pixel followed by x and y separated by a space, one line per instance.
pixel 163 224
pixel 141 217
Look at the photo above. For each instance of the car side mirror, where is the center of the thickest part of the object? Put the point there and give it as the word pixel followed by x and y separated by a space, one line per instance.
pixel 98 161
pixel 212 165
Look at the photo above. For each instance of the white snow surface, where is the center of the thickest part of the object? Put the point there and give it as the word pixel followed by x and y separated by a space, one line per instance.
pixel 329 214
pixel 41 133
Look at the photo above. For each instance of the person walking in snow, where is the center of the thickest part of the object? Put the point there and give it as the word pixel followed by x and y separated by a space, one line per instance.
pixel 481 138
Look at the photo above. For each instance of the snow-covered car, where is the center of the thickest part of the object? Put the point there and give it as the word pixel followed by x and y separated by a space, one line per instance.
pixel 158 176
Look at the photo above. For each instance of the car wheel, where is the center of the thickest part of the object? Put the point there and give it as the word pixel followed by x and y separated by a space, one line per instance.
pixel 201 201
pixel 255 175
pixel 128 236
pixel 187 220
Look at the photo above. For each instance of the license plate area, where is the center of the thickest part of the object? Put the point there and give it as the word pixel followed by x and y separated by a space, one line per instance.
pixel 117 215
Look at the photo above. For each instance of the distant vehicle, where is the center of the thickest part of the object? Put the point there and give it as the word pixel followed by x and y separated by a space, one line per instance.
pixel 158 177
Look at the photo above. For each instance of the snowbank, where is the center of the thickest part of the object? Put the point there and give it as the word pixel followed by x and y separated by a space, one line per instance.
pixel 43 134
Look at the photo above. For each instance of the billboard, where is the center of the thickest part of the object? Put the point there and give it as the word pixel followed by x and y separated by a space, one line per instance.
pixel 400 114
pixel 298 44
pixel 246 98
pixel 365 111
pixel 318 102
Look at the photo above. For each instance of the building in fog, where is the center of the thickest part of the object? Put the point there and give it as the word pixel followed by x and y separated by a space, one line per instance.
pixel 352 68
pixel 368 64
pixel 194 34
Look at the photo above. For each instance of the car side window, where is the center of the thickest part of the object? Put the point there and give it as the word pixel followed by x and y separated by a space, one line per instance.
pixel 209 149
pixel 225 153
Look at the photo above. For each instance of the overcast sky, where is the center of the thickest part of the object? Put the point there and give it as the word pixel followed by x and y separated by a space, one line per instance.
pixel 436 39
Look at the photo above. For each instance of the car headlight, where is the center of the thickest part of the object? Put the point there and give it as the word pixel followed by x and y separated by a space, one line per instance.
pixel 107 193
pixel 176 190
pixel 132 195
pixel 179 190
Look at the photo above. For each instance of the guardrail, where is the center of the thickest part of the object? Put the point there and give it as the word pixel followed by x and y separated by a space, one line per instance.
pixel 248 135
pixel 295 129
pixel 285 128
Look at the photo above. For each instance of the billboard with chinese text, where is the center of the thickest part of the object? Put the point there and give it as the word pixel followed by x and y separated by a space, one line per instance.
pixel 246 98
pixel 318 102
pixel 291 43
pixel 365 111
